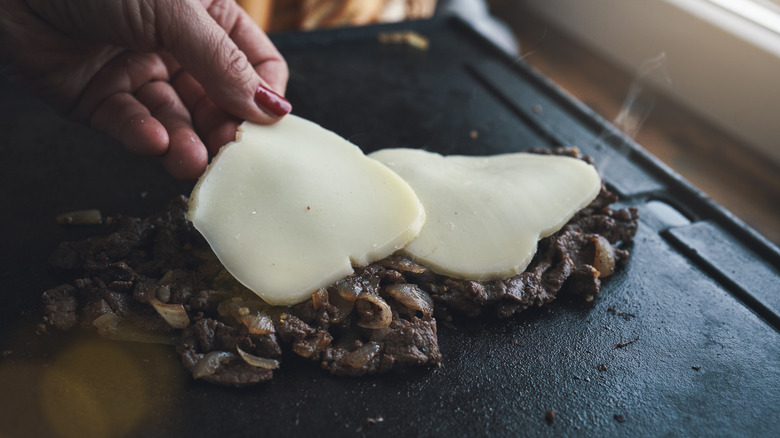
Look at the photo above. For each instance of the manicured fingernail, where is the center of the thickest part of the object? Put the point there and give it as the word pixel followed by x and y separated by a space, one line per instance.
pixel 272 102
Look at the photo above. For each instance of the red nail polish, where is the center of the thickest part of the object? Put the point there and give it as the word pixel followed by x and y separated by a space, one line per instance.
pixel 274 103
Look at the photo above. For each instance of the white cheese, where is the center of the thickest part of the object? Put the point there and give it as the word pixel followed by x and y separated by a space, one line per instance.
pixel 485 215
pixel 290 207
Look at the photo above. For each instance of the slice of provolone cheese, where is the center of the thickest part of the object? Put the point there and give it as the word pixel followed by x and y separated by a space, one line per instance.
pixel 290 207
pixel 485 215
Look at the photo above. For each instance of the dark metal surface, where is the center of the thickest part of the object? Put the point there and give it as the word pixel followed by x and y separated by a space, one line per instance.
pixel 699 297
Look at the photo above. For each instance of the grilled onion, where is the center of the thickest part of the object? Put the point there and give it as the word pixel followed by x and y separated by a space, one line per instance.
pixel 604 257
pixel 343 307
pixel 319 298
pixel 210 362
pixel 249 313
pixel 363 355
pixel 374 312
pixel 256 361
pixel 402 264
pixel 174 314
pixel 312 345
pixel 113 327
pixel 348 288
pixel 411 296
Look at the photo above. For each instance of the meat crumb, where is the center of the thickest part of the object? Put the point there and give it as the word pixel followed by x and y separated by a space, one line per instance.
pixel 619 418
pixel 370 422
pixel 550 416
pixel 602 367
pixel 623 344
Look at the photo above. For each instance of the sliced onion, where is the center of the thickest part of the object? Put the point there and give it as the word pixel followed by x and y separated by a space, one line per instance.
pixel 343 307
pixel 403 264
pixel 210 362
pixel 174 314
pixel 319 298
pixel 111 326
pixel 349 288
pixel 258 323
pixel 604 258
pixel 363 355
pixel 80 217
pixel 163 292
pixel 249 313
pixel 411 296
pixel 374 312
pixel 256 361
pixel 313 345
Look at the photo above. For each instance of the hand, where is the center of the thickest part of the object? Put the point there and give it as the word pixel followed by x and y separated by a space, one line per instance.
pixel 152 74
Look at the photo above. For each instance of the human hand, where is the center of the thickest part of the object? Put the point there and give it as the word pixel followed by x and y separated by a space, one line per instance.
pixel 152 74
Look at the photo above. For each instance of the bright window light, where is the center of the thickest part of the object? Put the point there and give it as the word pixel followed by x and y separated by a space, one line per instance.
pixel 765 13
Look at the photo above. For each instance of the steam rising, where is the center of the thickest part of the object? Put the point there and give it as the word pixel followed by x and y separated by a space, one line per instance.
pixel 638 104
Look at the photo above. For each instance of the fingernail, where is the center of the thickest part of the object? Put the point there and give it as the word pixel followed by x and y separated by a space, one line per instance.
pixel 274 103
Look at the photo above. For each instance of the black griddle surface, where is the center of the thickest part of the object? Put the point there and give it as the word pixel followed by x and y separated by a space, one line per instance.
pixel 700 296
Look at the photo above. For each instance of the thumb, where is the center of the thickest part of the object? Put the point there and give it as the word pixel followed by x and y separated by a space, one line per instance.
pixel 200 41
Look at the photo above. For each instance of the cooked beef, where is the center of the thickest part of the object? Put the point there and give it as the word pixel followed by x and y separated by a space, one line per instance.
pixel 60 306
pixel 382 316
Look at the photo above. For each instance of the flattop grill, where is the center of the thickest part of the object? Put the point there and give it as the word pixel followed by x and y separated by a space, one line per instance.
pixel 697 309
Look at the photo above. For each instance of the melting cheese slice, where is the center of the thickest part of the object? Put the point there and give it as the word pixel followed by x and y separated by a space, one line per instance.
pixel 485 215
pixel 290 207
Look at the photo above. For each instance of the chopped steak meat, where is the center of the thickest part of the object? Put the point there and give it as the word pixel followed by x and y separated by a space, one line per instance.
pixel 382 316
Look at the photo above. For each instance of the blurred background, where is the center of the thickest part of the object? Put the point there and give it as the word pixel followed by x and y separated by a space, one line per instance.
pixel 695 82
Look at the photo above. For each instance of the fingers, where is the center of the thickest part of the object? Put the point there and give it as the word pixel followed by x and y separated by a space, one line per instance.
pixel 225 68
pixel 186 156
pixel 124 72
pixel 121 116
pixel 260 51
pixel 154 122
pixel 130 100
pixel 215 126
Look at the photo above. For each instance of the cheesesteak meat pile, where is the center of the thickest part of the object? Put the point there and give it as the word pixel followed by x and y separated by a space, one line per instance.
pixel 157 280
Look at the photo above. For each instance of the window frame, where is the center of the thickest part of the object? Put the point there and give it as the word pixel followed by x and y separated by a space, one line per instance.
pixel 718 64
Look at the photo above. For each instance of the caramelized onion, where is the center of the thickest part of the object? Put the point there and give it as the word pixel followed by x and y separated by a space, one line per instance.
pixel 210 362
pixel 363 355
pixel 343 307
pixel 249 313
pixel 111 326
pixel 348 288
pixel 174 314
pixel 403 264
pixel 374 312
pixel 604 257
pixel 312 345
pixel 319 298
pixel 411 296
pixel 258 323
pixel 256 361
